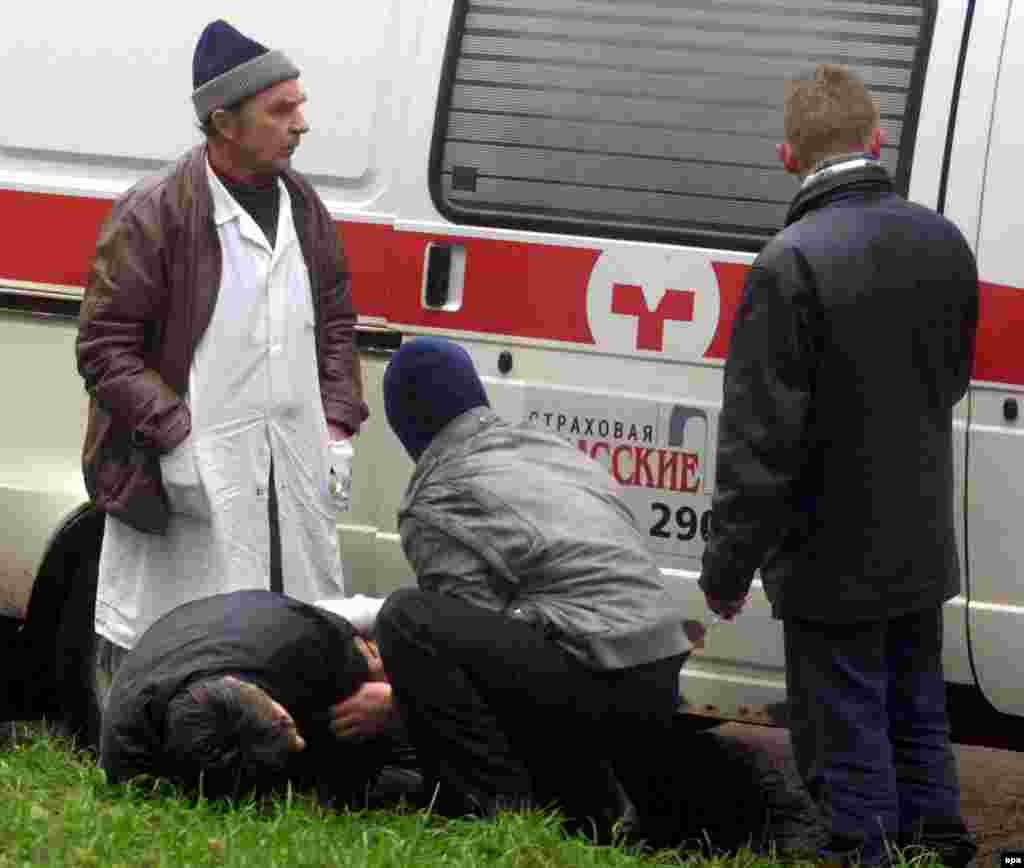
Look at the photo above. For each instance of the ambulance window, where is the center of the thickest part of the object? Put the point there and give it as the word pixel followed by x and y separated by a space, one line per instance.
pixel 652 119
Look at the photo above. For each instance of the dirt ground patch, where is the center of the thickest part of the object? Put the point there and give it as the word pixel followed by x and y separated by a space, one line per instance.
pixel 992 784
pixel 992 792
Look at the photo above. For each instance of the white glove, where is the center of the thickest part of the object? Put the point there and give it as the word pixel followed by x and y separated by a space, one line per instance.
pixel 359 610
pixel 339 475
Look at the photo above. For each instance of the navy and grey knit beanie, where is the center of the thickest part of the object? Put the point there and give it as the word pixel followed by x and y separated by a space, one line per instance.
pixel 429 382
pixel 228 67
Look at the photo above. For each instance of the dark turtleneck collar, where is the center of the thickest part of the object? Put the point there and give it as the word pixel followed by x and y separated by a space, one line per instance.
pixel 854 173
pixel 262 202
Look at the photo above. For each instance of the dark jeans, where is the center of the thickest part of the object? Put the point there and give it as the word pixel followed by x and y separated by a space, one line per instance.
pixel 500 715
pixel 870 734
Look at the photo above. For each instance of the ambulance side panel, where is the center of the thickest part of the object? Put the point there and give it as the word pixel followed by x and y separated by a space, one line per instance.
pixel 995 463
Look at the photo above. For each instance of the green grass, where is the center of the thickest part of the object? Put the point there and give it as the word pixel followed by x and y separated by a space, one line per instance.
pixel 57 809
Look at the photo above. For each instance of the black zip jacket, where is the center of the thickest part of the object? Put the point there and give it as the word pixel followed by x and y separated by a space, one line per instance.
pixel 853 342
pixel 304 657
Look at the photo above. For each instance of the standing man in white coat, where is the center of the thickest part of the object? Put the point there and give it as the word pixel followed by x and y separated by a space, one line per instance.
pixel 216 341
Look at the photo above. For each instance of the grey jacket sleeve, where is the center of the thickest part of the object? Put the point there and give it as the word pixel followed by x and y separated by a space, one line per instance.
pixel 762 429
pixel 446 566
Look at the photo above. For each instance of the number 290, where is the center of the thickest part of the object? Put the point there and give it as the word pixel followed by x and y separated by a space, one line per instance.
pixel 687 523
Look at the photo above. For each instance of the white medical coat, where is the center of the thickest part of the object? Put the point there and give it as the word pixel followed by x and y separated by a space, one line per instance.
pixel 254 394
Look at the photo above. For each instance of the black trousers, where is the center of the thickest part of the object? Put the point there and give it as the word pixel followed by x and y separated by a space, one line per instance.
pixel 870 735
pixel 500 715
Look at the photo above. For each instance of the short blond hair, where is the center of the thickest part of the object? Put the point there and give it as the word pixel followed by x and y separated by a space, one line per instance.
pixel 827 114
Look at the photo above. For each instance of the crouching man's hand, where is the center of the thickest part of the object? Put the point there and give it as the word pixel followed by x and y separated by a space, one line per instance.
pixel 367 713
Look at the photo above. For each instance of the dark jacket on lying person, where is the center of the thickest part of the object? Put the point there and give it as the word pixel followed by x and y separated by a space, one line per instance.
pixel 219 656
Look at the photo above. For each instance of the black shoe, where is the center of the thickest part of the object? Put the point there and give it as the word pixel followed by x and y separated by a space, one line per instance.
pixel 396 784
pixel 950 839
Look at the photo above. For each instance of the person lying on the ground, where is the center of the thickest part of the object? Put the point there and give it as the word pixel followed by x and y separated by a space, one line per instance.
pixel 538 661
pixel 229 695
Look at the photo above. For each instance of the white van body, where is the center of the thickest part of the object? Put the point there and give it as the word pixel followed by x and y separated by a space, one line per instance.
pixel 523 176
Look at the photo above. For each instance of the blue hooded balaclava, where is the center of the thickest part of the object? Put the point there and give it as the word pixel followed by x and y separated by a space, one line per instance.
pixel 429 382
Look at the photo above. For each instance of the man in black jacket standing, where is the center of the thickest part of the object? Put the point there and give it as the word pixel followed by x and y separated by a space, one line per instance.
pixel 853 343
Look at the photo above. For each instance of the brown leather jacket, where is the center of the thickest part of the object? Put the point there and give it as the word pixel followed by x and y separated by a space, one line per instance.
pixel 151 294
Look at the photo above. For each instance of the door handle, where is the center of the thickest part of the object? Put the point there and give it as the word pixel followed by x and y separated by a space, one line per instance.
pixel 439 275
pixel 444 275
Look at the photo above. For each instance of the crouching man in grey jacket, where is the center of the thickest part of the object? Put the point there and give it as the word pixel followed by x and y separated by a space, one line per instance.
pixel 538 661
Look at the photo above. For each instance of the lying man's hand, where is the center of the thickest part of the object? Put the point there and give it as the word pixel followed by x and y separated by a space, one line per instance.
pixel 367 713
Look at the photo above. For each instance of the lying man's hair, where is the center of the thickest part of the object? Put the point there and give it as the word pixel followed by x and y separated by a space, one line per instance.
pixel 223 740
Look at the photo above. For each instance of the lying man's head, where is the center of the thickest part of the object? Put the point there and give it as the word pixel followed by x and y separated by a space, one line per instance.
pixel 229 737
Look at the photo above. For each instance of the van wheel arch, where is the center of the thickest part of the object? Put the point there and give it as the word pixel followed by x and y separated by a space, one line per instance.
pixel 57 642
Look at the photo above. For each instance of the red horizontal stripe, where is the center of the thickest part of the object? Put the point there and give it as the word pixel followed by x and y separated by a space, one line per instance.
pixel 49 238
pixel 512 288
pixel 1000 351
pixel 731 277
